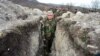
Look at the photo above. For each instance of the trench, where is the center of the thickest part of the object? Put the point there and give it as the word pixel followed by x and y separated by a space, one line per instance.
pixel 18 40
pixel 44 49
pixel 45 44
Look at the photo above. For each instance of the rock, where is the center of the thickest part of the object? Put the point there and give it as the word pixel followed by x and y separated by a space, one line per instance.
pixel 37 12
pixel 67 15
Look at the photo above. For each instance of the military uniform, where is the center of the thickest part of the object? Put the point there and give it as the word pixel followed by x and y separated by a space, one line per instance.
pixel 48 32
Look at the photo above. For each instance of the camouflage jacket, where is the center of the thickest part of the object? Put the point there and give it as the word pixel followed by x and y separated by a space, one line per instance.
pixel 48 27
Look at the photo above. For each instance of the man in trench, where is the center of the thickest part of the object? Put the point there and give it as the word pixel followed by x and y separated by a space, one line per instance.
pixel 48 31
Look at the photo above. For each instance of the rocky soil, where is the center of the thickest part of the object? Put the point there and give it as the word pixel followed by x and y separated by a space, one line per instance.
pixel 77 35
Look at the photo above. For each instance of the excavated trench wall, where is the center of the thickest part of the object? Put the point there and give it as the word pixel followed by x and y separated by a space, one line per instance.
pixel 21 39
pixel 19 30
pixel 77 35
pixel 65 43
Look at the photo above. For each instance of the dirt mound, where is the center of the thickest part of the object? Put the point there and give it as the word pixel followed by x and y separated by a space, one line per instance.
pixel 77 35
pixel 19 30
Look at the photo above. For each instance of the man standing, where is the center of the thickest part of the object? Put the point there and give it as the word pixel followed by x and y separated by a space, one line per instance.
pixel 48 31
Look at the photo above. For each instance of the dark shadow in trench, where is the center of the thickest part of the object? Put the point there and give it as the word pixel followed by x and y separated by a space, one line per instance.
pixel 15 43
pixel 45 44
pixel 48 44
